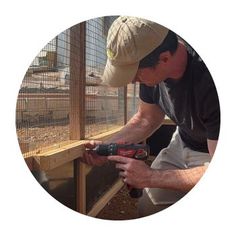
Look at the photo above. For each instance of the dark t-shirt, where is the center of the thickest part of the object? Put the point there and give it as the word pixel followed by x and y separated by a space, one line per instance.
pixel 191 102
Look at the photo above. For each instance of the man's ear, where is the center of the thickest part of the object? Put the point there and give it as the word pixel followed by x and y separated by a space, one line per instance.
pixel 164 57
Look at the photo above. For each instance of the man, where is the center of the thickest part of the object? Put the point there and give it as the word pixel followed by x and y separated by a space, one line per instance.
pixel 175 82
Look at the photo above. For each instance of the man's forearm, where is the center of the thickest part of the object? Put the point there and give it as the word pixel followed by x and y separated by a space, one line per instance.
pixel 135 131
pixel 181 180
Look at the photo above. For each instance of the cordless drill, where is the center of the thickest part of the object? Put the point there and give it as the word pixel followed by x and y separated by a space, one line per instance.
pixel 136 151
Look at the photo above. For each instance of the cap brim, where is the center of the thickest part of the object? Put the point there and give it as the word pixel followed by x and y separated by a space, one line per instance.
pixel 118 76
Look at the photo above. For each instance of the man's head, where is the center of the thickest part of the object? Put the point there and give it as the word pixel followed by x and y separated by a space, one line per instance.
pixel 134 43
pixel 170 44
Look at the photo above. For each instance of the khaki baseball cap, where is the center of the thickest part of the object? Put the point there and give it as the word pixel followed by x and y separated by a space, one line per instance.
pixel 129 40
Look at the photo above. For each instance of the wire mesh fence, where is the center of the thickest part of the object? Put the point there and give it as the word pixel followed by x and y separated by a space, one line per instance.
pixel 42 109
pixel 61 99
pixel 104 106
pixel 44 101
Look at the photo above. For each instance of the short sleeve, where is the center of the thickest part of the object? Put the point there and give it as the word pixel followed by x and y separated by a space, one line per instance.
pixel 210 113
pixel 146 93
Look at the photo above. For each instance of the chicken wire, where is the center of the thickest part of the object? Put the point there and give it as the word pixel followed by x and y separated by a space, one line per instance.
pixel 43 104
pixel 104 105
pixel 42 109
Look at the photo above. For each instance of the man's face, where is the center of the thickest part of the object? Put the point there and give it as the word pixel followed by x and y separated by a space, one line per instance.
pixel 150 76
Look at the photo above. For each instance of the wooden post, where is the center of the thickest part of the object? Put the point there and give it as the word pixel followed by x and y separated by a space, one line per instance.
pixel 77 106
pixel 77 81
pixel 125 105
pixel 122 102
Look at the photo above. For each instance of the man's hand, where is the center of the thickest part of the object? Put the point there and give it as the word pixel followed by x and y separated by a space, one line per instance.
pixel 90 157
pixel 134 172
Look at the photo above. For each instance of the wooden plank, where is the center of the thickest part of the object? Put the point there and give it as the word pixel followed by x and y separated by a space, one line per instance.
pixel 48 148
pixel 55 158
pixel 29 155
pixel 56 155
pixel 125 106
pixel 80 185
pixel 100 204
pixel 77 81
pixel 77 106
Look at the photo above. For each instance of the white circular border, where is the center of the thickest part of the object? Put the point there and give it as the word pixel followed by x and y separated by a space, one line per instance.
pixel 27 26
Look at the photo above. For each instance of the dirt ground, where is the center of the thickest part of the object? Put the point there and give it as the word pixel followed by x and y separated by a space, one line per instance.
pixel 120 207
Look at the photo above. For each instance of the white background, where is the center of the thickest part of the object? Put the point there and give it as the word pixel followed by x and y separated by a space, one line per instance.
pixel 26 26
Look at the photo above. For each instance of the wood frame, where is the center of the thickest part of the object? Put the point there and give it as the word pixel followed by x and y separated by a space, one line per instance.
pixel 77 107
pixel 62 153
pixel 53 157
pixel 57 155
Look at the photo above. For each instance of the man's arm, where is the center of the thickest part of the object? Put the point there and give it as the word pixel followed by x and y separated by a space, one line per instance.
pixel 182 179
pixel 148 118
pixel 139 175
pixel 211 146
